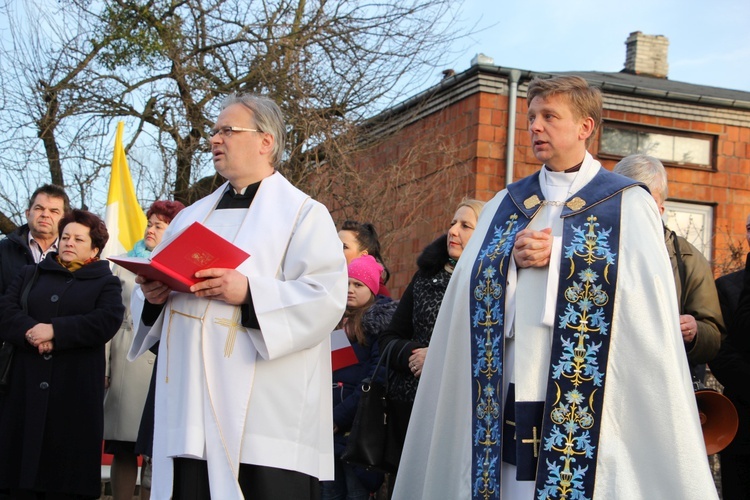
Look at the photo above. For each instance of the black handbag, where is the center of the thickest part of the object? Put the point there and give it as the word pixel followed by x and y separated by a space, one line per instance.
pixel 369 439
pixel 7 350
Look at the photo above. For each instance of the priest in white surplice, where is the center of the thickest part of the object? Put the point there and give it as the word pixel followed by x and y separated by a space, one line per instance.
pixel 556 367
pixel 243 392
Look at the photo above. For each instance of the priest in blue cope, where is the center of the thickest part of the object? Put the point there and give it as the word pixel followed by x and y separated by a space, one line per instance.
pixel 556 368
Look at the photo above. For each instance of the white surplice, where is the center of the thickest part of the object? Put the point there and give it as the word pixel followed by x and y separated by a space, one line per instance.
pixel 230 394
pixel 650 443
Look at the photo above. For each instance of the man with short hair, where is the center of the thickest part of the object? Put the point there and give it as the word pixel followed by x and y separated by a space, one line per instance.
pixel 31 242
pixel 556 367
pixel 701 322
pixel 731 367
pixel 243 394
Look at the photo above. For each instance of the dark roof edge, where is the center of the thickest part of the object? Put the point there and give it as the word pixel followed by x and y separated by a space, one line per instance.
pixel 448 83
pixel 526 75
pixel 620 88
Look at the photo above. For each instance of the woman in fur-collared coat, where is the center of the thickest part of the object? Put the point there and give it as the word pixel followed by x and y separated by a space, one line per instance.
pixel 411 326
pixel 51 419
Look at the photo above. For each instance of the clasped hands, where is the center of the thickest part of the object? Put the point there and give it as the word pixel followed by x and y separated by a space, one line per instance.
pixel 228 285
pixel 533 248
pixel 40 336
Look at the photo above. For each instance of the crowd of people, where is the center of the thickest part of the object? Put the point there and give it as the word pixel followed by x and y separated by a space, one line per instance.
pixel 547 346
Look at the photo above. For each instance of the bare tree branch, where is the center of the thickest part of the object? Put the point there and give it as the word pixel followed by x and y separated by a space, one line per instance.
pixel 163 66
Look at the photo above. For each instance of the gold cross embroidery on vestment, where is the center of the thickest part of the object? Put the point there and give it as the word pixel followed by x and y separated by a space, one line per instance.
pixel 233 325
pixel 534 441
pixel 514 427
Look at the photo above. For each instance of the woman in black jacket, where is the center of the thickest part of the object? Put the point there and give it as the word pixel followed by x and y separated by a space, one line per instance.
pixel 414 319
pixel 58 315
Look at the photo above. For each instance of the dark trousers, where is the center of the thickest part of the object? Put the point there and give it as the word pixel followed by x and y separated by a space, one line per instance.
pixel 735 476
pixel 256 482
pixel 398 423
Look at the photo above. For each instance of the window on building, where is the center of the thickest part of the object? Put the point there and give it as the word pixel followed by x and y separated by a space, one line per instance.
pixel 692 222
pixel 671 147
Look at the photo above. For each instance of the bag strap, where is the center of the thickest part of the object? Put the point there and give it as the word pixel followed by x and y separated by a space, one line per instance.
pixel 388 363
pixel 383 355
pixel 386 354
pixel 27 289
pixel 681 272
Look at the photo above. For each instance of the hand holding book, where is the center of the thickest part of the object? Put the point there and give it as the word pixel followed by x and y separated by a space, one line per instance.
pixel 228 285
pixel 177 261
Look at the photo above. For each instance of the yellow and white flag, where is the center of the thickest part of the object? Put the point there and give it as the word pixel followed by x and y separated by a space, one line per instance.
pixel 124 217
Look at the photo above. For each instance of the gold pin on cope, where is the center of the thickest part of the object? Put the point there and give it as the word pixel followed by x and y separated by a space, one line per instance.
pixel 575 204
pixel 531 201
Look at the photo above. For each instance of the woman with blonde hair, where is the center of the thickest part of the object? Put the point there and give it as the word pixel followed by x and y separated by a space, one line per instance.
pixel 412 323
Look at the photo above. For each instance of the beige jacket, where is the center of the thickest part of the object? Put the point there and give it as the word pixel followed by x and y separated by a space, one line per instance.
pixel 128 381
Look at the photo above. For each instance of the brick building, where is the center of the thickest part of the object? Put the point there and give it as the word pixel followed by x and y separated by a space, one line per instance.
pixel 477 119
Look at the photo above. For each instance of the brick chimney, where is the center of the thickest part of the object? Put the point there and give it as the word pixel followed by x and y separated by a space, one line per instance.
pixel 647 55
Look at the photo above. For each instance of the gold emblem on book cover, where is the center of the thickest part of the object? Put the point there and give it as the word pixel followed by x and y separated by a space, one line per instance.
pixel 202 258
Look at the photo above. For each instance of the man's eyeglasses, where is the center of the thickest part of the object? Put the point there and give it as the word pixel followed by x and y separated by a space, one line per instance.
pixel 228 131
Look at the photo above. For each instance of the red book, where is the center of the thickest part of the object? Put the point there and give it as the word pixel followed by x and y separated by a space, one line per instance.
pixel 342 352
pixel 189 251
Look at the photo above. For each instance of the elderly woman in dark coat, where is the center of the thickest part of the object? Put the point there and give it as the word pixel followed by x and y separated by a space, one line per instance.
pixel 59 315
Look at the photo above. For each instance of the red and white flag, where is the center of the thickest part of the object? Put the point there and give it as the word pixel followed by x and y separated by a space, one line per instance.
pixel 342 352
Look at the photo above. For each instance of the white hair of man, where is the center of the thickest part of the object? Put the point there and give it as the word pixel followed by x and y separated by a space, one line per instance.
pixel 648 170
pixel 267 116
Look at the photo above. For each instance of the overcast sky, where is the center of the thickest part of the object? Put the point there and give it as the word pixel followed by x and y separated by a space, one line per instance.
pixel 709 42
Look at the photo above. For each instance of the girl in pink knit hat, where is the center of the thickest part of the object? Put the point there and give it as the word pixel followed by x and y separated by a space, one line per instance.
pixel 364 282
pixel 360 238
pixel 363 321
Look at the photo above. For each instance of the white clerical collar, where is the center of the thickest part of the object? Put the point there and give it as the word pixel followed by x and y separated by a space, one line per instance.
pixel 556 186
pixel 573 181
